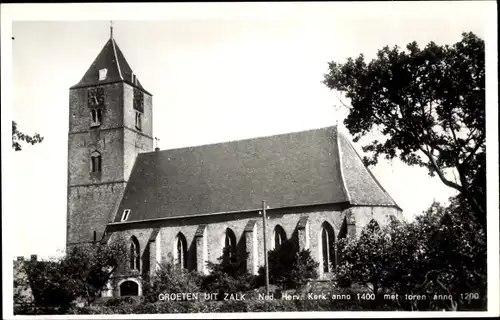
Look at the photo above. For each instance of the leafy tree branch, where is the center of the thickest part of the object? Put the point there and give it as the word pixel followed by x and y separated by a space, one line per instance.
pixel 428 105
pixel 18 137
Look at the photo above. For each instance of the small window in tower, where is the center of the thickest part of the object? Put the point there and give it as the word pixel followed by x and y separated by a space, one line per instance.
pixel 125 214
pixel 138 100
pixel 102 74
pixel 95 162
pixel 138 120
pixel 95 117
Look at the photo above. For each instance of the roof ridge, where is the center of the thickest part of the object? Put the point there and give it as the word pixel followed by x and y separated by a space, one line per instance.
pixel 381 187
pixel 371 174
pixel 341 165
pixel 116 58
pixel 240 140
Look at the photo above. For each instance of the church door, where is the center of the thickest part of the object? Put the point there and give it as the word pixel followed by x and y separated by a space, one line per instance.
pixel 129 288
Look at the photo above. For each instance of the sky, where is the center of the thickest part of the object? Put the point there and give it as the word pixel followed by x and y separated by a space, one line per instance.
pixel 217 72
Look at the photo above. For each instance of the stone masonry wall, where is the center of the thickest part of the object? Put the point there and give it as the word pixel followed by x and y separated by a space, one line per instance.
pixel 129 111
pixel 217 224
pixel 134 143
pixel 79 112
pixel 89 208
pixel 93 197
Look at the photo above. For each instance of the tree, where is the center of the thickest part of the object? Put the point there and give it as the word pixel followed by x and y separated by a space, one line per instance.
pixel 365 260
pixel 445 254
pixel 91 265
pixel 82 273
pixel 18 136
pixel 51 288
pixel 429 107
pixel 442 252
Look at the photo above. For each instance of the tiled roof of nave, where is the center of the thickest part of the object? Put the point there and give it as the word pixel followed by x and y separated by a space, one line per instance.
pixel 287 170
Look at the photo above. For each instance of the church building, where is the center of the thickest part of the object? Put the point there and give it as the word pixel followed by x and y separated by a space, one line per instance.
pixel 185 205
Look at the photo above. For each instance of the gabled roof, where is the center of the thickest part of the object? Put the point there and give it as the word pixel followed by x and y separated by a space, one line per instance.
pixel 311 167
pixel 118 69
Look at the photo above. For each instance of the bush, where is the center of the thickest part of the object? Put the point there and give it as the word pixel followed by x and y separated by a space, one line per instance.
pixel 171 279
pixel 82 273
pixel 289 268
pixel 118 301
pixel 228 275
pixel 51 287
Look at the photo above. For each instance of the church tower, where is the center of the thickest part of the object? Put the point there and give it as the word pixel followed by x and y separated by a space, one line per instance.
pixel 110 123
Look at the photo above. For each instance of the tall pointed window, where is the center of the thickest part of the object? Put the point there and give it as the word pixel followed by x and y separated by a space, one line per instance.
pixel 328 254
pixel 95 101
pixel 279 236
pixel 95 162
pixel 134 255
pixel 230 242
pixel 95 117
pixel 139 108
pixel 138 120
pixel 181 251
pixel 372 226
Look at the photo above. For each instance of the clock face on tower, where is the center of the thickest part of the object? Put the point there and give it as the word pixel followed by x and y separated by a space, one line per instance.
pixel 96 97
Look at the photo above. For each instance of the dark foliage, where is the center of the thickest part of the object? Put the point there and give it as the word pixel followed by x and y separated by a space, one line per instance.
pixel 428 105
pixel 440 253
pixel 229 274
pixel 170 278
pixel 18 136
pixel 289 268
pixel 82 273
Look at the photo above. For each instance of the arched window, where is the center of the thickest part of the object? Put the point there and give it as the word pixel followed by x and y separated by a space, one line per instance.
pixel 181 250
pixel 95 159
pixel 279 236
pixel 96 117
pixel 328 247
pixel 135 254
pixel 230 242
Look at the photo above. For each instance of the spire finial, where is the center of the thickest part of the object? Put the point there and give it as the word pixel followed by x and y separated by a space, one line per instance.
pixel 111 29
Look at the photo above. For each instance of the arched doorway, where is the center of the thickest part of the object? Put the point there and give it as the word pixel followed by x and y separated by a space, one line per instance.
pixel 129 288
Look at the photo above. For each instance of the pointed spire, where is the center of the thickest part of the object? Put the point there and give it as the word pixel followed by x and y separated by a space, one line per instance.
pixel 111 29
pixel 114 66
